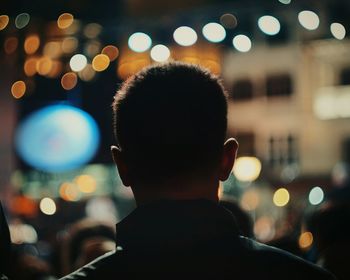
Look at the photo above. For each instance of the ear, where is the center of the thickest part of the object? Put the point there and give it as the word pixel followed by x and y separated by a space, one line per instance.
pixel 123 169
pixel 228 158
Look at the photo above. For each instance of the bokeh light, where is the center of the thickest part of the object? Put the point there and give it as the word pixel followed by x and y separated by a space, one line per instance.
pixel 269 25
pixel 87 74
pixel 100 62
pixel 242 43
pixel 111 51
pixel 47 206
pixel 52 49
pixel 228 21
pixel 78 62
pixel 57 138
pixel 10 45
pixel 65 20
pixel 305 240
pixel 18 89
pixel 338 30
pixel 69 44
pixel 139 42
pixel 31 44
pixel 214 32
pixel 309 20
pixel 69 80
pixel 92 30
pixel 86 183
pixel 22 20
pixel 281 197
pixel 316 196
pixel 160 53
pixel 250 200
pixel 185 36
pixel 22 233
pixel 92 48
pixel 264 229
pixel 247 169
pixel 285 2
pixel 69 192
pixel 30 66
pixel 44 65
pixel 4 20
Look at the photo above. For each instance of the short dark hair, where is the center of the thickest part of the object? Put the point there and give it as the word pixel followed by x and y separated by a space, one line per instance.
pixel 170 120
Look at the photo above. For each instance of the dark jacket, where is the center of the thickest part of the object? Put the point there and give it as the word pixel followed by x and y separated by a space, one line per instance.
pixel 192 240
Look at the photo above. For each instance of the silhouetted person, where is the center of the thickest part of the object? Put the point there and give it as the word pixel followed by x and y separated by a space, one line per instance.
pixel 331 230
pixel 5 245
pixel 244 221
pixel 170 126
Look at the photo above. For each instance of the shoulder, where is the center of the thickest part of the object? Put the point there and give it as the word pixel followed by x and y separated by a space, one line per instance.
pixel 103 267
pixel 282 264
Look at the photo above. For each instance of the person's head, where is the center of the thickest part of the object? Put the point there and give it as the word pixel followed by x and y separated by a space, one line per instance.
pixel 170 126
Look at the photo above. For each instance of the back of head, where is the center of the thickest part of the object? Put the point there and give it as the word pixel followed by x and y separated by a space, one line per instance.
pixel 170 122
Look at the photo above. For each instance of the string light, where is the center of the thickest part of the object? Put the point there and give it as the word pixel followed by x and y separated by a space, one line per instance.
pixel 185 36
pixel 4 20
pixel 242 43
pixel 139 42
pixel 160 53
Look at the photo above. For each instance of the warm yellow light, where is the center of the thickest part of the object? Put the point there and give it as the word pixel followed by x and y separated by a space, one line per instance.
pixel 111 51
pixel 281 197
pixel 4 20
pixel 65 20
pixel 48 206
pixel 100 62
pixel 250 200
pixel 30 66
pixel 247 169
pixel 44 65
pixel 18 89
pixel 69 80
pixel 69 192
pixel 305 240
pixel 52 49
pixel 56 69
pixel 10 45
pixel 86 183
pixel 31 44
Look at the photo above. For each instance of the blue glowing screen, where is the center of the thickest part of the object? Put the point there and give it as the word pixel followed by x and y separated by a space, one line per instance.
pixel 57 138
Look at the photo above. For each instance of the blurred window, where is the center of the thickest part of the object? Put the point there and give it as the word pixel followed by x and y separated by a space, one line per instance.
pixel 345 76
pixel 242 90
pixel 279 85
pixel 246 143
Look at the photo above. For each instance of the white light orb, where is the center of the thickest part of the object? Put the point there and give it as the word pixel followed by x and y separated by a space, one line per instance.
pixel 214 32
pixel 247 169
pixel 78 62
pixel 47 206
pixel 309 20
pixel 285 2
pixel 269 25
pixel 139 42
pixel 338 30
pixel 242 43
pixel 185 36
pixel 316 196
pixel 160 53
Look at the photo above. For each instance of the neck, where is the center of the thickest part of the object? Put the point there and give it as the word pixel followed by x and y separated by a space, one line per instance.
pixel 184 190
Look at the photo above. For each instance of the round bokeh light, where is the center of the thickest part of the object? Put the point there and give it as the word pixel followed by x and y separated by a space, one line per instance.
pixel 57 138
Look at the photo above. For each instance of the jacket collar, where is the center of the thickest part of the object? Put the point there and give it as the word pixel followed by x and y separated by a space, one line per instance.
pixel 173 224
